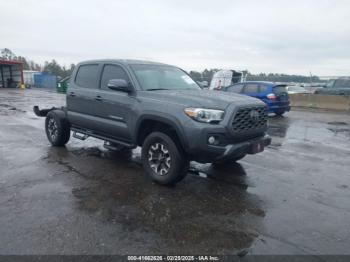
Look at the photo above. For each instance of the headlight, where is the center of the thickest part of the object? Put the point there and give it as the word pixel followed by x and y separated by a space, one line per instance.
pixel 205 115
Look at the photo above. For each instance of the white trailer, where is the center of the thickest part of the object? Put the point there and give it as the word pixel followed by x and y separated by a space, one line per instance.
pixel 28 76
pixel 225 78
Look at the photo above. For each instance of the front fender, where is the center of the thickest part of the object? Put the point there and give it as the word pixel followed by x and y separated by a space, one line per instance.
pixel 166 119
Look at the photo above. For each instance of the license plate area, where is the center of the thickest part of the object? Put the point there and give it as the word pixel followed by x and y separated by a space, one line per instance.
pixel 256 147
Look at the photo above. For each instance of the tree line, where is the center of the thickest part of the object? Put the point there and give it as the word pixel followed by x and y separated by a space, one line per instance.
pixel 53 67
pixel 50 67
pixel 207 75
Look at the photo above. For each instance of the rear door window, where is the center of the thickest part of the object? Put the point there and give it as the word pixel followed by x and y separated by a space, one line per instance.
pixel 112 72
pixel 235 88
pixel 344 83
pixel 251 88
pixel 263 88
pixel 87 76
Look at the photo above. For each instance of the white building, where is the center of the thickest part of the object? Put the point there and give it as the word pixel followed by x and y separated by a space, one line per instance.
pixel 28 76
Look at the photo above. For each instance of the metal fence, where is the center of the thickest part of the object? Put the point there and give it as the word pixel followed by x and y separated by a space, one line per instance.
pixel 45 81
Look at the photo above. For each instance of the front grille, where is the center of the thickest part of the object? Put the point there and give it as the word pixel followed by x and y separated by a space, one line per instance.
pixel 249 119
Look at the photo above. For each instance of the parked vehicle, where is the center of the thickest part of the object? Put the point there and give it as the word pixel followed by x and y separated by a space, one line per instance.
pixel 274 95
pixel 224 78
pixel 297 90
pixel 132 103
pixel 340 86
pixel 203 84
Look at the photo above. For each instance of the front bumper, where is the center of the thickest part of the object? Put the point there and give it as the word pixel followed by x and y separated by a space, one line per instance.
pixel 230 143
pixel 252 146
pixel 206 153
pixel 280 106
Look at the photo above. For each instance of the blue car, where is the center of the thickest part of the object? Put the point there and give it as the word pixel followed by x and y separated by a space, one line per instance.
pixel 274 95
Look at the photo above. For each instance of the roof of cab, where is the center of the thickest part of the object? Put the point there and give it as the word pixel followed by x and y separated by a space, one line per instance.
pixel 123 61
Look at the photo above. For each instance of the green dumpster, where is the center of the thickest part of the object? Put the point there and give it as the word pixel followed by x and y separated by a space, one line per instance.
pixel 62 85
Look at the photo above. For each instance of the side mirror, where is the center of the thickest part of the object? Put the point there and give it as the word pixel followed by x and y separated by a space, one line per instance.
pixel 119 85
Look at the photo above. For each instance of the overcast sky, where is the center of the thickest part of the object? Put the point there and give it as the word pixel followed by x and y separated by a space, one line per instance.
pixel 293 37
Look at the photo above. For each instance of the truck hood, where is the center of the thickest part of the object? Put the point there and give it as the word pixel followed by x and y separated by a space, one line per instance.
pixel 201 98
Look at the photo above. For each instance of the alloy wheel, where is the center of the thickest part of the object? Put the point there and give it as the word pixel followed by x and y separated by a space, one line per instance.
pixel 159 158
pixel 53 129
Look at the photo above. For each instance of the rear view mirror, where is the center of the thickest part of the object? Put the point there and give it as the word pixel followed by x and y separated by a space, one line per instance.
pixel 119 85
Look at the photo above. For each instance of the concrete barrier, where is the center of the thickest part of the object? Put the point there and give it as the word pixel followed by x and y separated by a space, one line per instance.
pixel 333 102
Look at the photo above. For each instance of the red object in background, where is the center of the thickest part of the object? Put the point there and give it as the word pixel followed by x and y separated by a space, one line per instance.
pixel 271 97
pixel 11 69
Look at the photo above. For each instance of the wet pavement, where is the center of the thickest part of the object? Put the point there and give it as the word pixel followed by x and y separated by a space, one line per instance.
pixel 83 199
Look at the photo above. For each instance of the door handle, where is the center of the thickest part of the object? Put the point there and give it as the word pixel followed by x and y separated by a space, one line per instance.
pixel 72 94
pixel 98 98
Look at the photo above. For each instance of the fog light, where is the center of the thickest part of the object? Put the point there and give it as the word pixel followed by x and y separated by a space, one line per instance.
pixel 211 140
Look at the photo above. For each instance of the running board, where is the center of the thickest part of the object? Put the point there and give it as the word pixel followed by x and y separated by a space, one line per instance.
pixel 112 146
pixel 84 134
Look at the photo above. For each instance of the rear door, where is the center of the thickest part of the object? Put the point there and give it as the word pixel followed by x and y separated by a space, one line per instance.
pixel 251 89
pixel 82 91
pixel 264 90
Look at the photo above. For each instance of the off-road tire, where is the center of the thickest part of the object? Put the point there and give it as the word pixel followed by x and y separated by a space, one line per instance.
pixel 175 162
pixel 57 129
pixel 280 113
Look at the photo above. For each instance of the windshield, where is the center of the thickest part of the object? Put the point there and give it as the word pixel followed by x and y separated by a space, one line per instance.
pixel 330 83
pixel 159 77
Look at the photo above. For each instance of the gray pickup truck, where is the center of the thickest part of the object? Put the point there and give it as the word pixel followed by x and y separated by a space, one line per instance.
pixel 129 103
pixel 340 86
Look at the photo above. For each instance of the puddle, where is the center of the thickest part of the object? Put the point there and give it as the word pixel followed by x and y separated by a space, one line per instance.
pixel 12 108
pixel 339 130
pixel 338 123
pixel 193 216
pixel 218 215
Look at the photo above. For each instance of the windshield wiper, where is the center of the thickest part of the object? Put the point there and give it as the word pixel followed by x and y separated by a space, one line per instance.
pixel 155 89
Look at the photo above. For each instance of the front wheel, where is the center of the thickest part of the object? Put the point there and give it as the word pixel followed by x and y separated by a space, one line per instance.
pixel 57 129
pixel 162 160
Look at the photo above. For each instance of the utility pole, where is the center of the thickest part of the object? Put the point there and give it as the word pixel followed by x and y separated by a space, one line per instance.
pixel 310 78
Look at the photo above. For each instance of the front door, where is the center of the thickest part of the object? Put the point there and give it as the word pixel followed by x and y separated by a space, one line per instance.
pixel 115 110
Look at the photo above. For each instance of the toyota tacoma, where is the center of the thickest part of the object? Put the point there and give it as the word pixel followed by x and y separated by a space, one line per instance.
pixel 130 103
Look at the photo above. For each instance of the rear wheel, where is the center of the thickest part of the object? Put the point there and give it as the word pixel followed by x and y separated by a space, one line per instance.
pixel 162 160
pixel 280 113
pixel 57 129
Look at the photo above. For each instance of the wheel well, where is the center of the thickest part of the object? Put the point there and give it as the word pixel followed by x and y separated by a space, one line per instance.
pixel 149 126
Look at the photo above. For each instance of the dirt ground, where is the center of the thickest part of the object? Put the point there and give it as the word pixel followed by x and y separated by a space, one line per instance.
pixel 83 199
